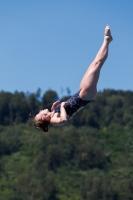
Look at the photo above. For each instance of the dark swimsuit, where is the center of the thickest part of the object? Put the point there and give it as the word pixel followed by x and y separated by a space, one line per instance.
pixel 74 104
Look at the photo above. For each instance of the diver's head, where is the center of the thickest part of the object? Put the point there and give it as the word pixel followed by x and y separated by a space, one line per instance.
pixel 42 120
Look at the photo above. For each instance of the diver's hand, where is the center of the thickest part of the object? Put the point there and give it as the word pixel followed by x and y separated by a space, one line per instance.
pixel 63 103
pixel 55 104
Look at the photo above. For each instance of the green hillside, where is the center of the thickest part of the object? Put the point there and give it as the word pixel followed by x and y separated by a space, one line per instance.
pixel 90 158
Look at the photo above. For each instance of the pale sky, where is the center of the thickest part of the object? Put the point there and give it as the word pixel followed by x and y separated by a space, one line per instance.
pixel 49 44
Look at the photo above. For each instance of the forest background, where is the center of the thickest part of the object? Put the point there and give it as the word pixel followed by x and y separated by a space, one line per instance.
pixel 90 158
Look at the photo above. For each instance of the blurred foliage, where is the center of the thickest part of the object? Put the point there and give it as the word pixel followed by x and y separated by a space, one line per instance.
pixel 90 158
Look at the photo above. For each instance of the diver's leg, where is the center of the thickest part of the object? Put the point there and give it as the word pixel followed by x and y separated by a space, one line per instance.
pixel 88 84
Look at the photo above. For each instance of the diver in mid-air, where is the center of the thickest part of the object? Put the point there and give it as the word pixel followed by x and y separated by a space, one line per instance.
pixel 62 112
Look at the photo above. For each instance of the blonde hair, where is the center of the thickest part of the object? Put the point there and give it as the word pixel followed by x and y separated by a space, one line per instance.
pixel 39 123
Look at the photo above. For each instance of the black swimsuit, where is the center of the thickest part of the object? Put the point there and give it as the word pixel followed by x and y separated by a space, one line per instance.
pixel 74 104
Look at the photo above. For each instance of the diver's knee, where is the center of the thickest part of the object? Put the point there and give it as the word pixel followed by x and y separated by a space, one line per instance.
pixel 88 93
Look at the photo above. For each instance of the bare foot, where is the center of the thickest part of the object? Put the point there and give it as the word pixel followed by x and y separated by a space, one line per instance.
pixel 107 34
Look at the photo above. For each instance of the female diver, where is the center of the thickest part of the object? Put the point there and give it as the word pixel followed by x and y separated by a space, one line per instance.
pixel 62 112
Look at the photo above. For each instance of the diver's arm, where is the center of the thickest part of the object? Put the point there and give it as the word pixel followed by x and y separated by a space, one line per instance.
pixel 59 119
pixel 63 114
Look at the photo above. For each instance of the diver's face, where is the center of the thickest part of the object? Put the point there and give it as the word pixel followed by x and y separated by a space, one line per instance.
pixel 44 114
